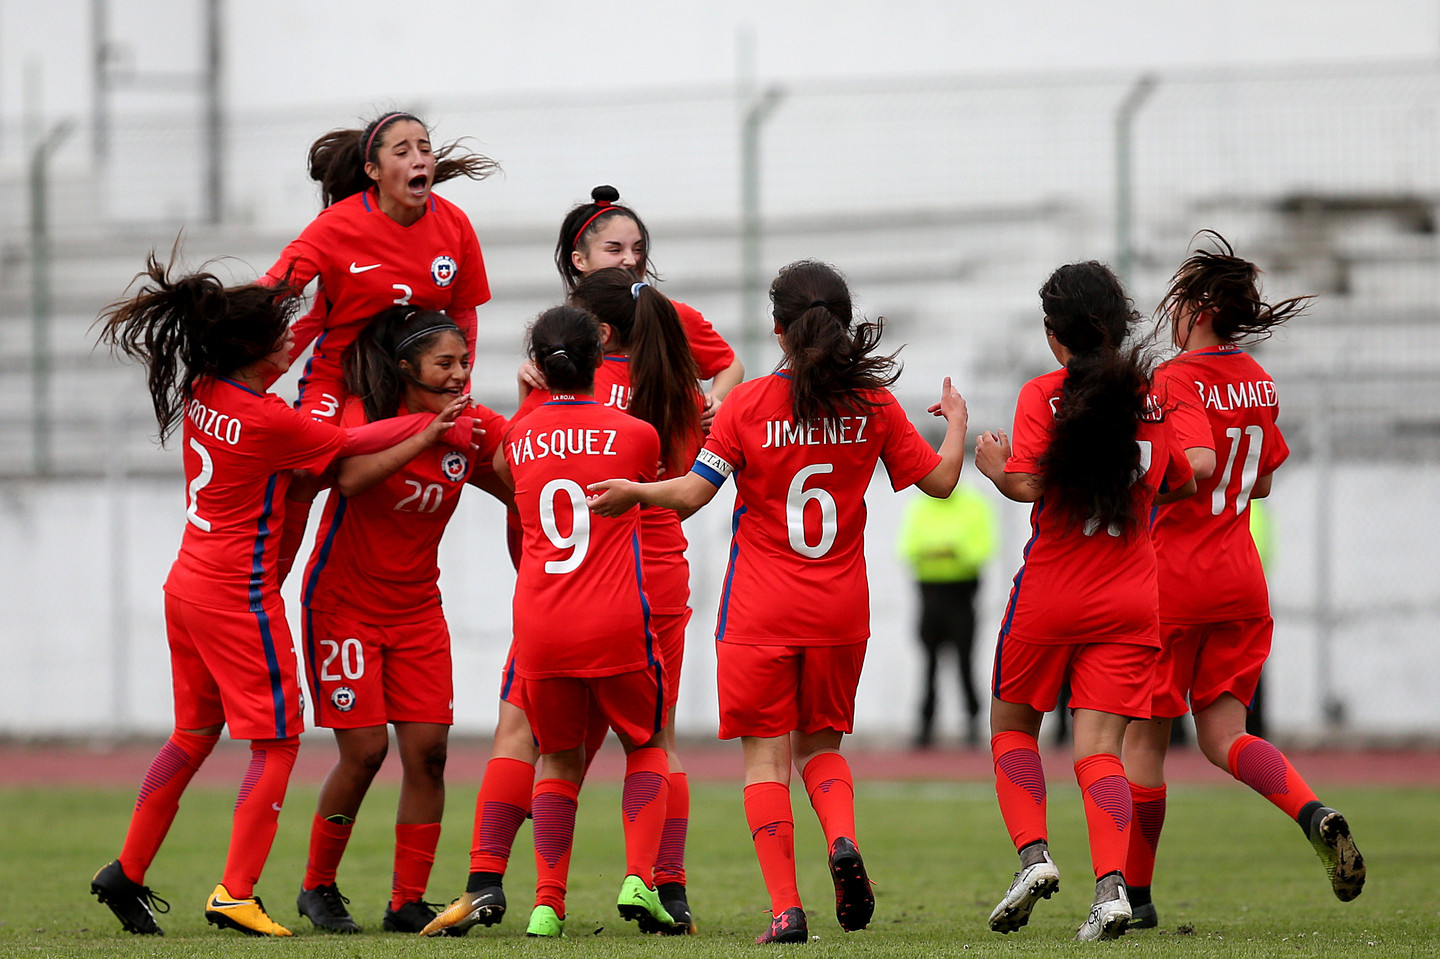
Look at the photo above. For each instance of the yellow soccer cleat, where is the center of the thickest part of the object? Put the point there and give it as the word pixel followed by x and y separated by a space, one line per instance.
pixel 246 915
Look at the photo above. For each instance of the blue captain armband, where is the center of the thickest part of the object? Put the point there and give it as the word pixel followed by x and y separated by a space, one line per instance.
pixel 711 468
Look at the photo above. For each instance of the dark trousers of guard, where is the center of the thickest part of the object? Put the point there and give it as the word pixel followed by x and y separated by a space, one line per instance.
pixel 947 621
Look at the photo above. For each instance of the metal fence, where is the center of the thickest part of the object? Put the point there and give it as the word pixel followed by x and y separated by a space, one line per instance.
pixel 946 201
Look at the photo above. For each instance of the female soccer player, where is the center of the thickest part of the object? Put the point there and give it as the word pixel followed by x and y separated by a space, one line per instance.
pixel 599 235
pixel 795 617
pixel 377 648
pixel 211 352
pixel 383 239
pixel 582 622
pixel 1214 607
pixel 1091 453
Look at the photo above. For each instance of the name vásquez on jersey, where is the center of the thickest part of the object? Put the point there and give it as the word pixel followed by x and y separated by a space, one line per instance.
pixel 832 430
pixel 562 443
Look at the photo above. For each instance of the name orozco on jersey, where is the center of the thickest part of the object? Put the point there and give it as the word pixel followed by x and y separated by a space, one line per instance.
pixel 213 423
pixel 563 443
pixel 1250 394
pixel 830 431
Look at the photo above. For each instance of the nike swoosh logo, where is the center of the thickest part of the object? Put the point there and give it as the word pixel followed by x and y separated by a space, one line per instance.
pixel 355 268
pixel 275 806
pixel 217 903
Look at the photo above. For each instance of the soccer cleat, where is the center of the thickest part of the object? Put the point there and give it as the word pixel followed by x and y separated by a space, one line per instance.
pixel 640 904
pixel 484 907
pixel 324 906
pixel 1034 882
pixel 246 915
pixel 545 924
pixel 673 898
pixel 1330 835
pixel 129 900
pixel 1144 916
pixel 854 902
pixel 1110 916
pixel 412 916
pixel 789 926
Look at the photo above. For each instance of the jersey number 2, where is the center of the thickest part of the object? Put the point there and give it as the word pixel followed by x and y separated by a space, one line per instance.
pixel 202 479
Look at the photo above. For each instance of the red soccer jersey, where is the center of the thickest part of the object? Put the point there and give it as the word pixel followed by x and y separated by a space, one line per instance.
pixel 239 450
pixel 797 560
pixel 1086 585
pixel 367 262
pixel 1209 569
pixel 662 541
pixel 712 354
pixel 580 606
pixel 375 559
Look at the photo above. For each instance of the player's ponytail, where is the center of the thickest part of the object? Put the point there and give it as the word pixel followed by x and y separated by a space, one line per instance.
pixel 182 328
pixel 337 159
pixel 1227 288
pixel 1093 458
pixel 643 323
pixel 827 351
pixel 584 221
pixel 564 342
pixel 379 364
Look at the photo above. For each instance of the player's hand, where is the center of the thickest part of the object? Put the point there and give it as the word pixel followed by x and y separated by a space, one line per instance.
pixel 612 497
pixel 707 415
pixel 951 406
pixel 991 452
pixel 443 426
pixel 529 378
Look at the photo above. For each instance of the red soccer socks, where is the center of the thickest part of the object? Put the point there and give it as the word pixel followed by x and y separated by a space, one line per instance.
pixel 1108 811
pixel 170 772
pixel 414 856
pixel 772 827
pixel 1019 786
pixel 1265 769
pixel 642 809
pixel 1149 818
pixel 670 861
pixel 257 812
pixel 553 808
pixel 500 809
pixel 832 794
pixel 328 839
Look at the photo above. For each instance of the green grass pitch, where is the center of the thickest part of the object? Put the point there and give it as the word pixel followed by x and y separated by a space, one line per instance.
pixel 1236 879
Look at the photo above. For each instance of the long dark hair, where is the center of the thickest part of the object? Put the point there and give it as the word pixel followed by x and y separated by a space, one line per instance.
pixel 564 342
pixel 372 363
pixel 662 369
pixel 1093 458
pixel 337 159
pixel 184 327
pixel 584 221
pixel 1227 287
pixel 827 351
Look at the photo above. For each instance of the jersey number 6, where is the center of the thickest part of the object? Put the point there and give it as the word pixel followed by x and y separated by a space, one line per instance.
pixel 796 499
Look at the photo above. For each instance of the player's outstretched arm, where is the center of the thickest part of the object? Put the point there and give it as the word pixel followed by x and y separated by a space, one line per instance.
pixel 940 481
pixel 683 493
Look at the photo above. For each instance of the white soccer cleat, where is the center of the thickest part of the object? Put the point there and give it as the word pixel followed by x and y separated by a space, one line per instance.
pixel 1108 919
pixel 1033 883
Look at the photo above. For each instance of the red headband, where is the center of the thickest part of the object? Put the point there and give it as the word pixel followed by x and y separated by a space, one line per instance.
pixel 605 207
pixel 378 124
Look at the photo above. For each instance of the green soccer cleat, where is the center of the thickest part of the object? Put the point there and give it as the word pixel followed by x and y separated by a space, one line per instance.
pixel 246 915
pixel 1329 833
pixel 640 904
pixel 545 924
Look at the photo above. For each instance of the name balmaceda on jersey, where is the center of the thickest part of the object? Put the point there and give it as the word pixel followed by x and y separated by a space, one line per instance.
pixel 830 431
pixel 213 423
pixel 538 444
pixel 1247 394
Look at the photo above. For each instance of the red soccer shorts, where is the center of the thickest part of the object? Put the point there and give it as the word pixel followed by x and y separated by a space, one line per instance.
pixel 1204 661
pixel 363 674
pixel 1109 677
pixel 561 708
pixel 512 684
pixel 669 630
pixel 235 667
pixel 773 690
pixel 322 393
